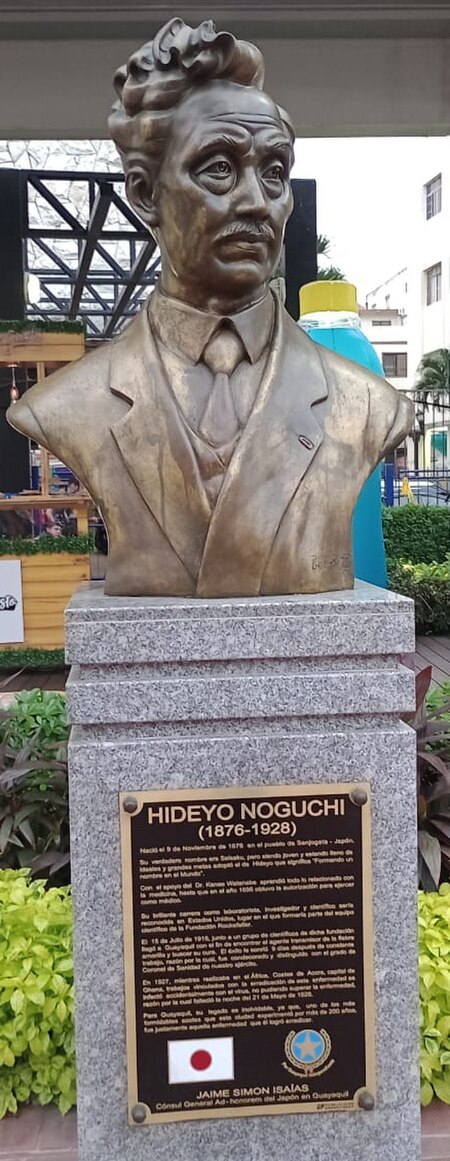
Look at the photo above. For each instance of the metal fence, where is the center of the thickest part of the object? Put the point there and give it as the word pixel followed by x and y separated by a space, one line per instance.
pixel 427 486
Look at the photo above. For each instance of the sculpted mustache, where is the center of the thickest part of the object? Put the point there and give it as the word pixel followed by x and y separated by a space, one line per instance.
pixel 253 229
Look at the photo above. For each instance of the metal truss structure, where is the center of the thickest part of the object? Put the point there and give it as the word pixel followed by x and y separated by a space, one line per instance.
pixel 92 255
pixel 94 258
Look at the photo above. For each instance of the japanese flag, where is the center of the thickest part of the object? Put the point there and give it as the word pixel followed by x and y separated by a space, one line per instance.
pixel 195 1061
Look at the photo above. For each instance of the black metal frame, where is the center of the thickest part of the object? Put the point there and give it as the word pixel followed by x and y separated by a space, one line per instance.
pixel 80 278
pixel 106 292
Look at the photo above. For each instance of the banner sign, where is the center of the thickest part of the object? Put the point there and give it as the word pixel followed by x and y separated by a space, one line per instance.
pixel 11 607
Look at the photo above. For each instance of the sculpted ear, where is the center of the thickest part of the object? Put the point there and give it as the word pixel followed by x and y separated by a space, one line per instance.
pixel 140 193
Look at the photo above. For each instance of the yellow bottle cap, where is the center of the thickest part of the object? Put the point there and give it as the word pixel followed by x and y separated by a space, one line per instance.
pixel 316 296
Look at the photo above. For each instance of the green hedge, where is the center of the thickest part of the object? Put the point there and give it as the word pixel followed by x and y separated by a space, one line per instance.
pixel 429 587
pixel 417 543
pixel 416 533
pixel 13 659
pixel 50 545
pixel 23 326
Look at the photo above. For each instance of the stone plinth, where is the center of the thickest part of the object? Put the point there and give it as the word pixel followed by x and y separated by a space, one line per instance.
pixel 182 693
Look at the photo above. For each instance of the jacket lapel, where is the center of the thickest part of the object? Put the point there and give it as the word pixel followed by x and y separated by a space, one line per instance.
pixel 155 446
pixel 277 447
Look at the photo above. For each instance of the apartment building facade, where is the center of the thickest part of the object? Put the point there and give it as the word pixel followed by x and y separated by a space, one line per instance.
pixel 429 289
pixel 384 320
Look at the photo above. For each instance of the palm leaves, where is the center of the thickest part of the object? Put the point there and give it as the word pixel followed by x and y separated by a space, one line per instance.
pixel 323 246
pixel 433 379
pixel 327 273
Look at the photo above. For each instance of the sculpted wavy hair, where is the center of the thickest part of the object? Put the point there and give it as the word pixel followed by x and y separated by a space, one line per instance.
pixel 161 73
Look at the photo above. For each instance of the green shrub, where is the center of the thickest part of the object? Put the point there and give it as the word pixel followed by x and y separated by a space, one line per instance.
pixel 416 533
pixel 34 817
pixel 438 697
pixel 434 981
pixel 37 1053
pixel 429 587
pixel 32 710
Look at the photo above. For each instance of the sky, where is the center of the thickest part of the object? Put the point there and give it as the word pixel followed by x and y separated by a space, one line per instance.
pixel 366 200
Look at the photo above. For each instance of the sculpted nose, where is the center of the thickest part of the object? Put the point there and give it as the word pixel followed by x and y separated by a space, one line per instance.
pixel 250 196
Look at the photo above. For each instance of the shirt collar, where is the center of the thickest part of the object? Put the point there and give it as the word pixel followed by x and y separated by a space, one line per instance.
pixel 186 330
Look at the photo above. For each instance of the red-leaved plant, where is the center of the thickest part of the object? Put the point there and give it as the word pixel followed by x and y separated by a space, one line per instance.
pixel 432 729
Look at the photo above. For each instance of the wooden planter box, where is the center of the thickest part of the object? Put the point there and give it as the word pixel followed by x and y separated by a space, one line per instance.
pixel 41 346
pixel 48 582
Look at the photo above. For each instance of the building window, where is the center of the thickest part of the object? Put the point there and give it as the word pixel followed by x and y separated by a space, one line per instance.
pixel 439 443
pixel 395 364
pixel 433 196
pixel 434 283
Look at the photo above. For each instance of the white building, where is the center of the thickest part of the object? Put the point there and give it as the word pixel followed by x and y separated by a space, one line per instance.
pixel 429 286
pixel 390 295
pixel 384 322
pixel 387 330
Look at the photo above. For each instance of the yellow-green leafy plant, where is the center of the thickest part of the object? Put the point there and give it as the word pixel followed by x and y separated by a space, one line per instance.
pixel 434 977
pixel 37 1051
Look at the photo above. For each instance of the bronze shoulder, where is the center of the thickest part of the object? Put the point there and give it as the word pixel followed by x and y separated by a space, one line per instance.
pixel 387 414
pixel 54 411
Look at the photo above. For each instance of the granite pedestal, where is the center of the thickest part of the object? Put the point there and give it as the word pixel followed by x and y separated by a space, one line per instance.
pixel 174 693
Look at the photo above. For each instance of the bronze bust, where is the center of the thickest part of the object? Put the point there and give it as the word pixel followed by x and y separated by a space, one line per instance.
pixel 223 448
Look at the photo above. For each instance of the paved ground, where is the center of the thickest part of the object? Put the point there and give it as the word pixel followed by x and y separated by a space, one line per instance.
pixel 434 651
pixel 42 1135
pixel 33 679
pixel 435 1133
pixel 39 1135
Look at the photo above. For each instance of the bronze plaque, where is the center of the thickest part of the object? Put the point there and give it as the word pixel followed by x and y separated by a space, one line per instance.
pixel 248 951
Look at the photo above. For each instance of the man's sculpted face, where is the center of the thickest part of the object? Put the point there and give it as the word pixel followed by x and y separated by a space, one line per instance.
pixel 222 197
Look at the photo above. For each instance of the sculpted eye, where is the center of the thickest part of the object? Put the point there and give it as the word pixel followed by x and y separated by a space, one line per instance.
pixel 274 173
pixel 216 174
pixel 219 168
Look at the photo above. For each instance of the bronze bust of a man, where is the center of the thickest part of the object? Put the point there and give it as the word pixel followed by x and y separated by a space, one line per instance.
pixel 224 449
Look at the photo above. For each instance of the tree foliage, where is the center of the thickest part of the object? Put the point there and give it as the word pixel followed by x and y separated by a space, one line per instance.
pixel 433 378
pixel 328 273
pixel 417 533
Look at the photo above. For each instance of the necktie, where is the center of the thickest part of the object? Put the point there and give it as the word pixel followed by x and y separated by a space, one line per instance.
pixel 222 354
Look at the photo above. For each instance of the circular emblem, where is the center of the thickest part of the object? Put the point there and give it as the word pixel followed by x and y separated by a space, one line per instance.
pixel 308 1047
pixel 201 1060
pixel 307 1050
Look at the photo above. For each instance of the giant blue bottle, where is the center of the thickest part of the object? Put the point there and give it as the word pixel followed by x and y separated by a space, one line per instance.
pixel 329 315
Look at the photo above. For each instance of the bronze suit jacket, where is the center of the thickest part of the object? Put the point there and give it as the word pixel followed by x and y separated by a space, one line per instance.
pixel 283 518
